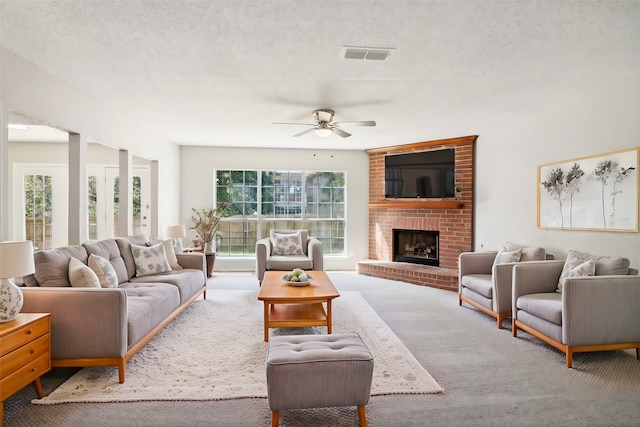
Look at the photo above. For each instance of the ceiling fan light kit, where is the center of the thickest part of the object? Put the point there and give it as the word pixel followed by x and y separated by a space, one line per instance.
pixel 324 125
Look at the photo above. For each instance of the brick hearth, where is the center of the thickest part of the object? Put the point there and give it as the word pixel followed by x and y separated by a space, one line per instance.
pixel 453 218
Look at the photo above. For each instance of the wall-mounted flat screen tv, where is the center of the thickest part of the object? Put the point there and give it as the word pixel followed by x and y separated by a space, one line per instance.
pixel 423 175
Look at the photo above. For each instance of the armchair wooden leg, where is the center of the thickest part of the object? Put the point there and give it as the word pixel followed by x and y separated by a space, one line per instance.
pixel 275 418
pixel 362 416
pixel 459 299
pixel 638 353
pixel 500 318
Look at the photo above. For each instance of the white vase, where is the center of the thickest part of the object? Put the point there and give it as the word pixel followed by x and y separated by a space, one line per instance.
pixel 208 247
pixel 10 300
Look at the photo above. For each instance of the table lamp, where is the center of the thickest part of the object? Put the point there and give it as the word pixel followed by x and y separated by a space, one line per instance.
pixel 16 260
pixel 176 233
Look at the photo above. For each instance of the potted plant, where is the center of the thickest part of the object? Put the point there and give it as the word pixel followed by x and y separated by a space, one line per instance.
pixel 205 223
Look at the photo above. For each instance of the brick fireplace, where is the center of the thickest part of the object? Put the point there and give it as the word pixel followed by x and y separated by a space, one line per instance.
pixel 452 218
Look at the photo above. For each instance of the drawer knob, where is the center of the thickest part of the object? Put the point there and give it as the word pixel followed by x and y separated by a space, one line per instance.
pixel 33 369
pixel 32 351
pixel 29 331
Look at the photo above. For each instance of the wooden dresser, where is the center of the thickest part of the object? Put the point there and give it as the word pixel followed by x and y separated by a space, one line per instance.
pixel 25 354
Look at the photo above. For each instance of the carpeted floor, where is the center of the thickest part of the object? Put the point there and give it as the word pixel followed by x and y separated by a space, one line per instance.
pixel 489 377
pixel 176 364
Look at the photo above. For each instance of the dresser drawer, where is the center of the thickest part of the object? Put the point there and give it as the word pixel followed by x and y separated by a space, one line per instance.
pixel 24 375
pixel 24 334
pixel 23 355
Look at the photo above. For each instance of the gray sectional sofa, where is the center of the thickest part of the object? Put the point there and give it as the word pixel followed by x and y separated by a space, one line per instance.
pixel 106 326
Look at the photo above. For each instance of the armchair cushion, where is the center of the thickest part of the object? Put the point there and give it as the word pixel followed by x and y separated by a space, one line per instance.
pixel 547 306
pixel 529 253
pixel 603 266
pixel 479 283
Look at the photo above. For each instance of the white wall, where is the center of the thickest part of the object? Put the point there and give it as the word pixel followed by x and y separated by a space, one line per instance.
pixel 197 187
pixel 27 89
pixel 506 170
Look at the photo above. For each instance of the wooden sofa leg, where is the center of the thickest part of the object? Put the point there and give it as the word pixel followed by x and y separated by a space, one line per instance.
pixel 514 329
pixel 459 299
pixel 362 416
pixel 569 353
pixel 275 418
pixel 121 364
pixel 638 353
pixel 500 318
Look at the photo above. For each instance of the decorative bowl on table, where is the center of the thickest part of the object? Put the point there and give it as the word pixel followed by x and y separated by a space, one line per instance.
pixel 297 277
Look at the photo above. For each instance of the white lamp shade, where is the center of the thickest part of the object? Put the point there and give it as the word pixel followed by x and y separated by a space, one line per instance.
pixel 176 231
pixel 16 259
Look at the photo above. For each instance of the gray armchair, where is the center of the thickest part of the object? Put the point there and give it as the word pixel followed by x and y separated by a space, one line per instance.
pixel 590 313
pixel 484 278
pixel 309 257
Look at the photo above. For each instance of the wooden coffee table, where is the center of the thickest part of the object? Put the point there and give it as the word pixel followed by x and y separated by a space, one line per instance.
pixel 287 306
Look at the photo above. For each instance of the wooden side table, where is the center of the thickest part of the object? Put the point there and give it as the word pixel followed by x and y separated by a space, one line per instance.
pixel 210 259
pixel 25 354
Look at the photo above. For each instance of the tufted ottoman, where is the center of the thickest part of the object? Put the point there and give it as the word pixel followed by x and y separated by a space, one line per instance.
pixel 318 371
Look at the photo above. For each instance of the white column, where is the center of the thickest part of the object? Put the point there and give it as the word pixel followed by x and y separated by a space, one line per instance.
pixel 125 194
pixel 77 217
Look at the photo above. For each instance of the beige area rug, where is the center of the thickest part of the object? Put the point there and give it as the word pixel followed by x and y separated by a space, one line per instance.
pixel 215 351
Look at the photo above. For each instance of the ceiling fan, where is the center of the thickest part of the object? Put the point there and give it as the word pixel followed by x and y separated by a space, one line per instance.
pixel 324 126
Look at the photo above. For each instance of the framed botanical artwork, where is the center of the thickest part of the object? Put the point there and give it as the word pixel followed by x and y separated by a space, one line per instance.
pixel 591 193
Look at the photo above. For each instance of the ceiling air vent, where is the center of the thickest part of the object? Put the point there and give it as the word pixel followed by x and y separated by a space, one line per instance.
pixel 371 53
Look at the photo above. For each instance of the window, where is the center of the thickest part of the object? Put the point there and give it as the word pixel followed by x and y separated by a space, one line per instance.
pixel 38 209
pixel 259 201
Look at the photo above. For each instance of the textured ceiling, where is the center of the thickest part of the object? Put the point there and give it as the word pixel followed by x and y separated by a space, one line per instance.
pixel 220 72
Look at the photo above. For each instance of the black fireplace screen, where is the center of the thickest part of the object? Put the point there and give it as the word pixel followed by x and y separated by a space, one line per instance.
pixel 417 246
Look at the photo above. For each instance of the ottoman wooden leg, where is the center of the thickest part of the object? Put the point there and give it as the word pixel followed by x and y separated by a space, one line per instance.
pixel 363 418
pixel 275 418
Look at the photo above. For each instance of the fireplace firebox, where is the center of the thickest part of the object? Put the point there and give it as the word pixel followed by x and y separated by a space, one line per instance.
pixel 416 246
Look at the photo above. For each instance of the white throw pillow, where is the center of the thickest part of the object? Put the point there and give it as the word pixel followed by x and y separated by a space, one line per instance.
pixel 169 251
pixel 587 268
pixel 287 244
pixel 150 259
pixel 574 259
pixel 104 270
pixel 81 276
pixel 504 256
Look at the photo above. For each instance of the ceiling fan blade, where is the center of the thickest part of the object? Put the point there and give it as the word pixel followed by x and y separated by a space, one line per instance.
pixel 340 132
pixel 358 123
pixel 305 124
pixel 304 132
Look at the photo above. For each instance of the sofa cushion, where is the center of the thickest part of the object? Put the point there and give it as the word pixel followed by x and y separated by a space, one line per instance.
pixel 81 276
pixel 124 244
pixel 52 265
pixel 147 305
pixel 547 306
pixel 108 249
pixel 479 283
pixel 104 270
pixel 188 281
pixel 286 244
pixel 150 259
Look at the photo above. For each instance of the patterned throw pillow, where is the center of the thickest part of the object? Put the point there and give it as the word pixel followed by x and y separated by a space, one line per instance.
pixel 81 276
pixel 104 270
pixel 150 259
pixel 575 265
pixel 510 256
pixel 287 244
